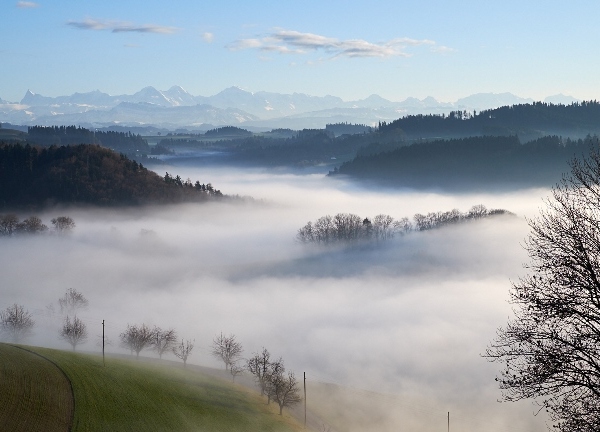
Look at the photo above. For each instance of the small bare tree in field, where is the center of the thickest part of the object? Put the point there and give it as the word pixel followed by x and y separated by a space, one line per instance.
pixel 72 301
pixel 259 365
pixel 164 340
pixel 16 322
pixel 284 388
pixel 235 370
pixel 183 350
pixel 227 349
pixel 136 338
pixel 74 332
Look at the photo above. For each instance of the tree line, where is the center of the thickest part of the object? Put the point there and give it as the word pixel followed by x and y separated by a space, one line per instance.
pixel 123 142
pixel 475 162
pixel 10 225
pixel 34 177
pixel 277 384
pixel 539 116
pixel 348 227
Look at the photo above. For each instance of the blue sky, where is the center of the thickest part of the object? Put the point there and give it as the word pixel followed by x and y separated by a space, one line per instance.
pixel 349 49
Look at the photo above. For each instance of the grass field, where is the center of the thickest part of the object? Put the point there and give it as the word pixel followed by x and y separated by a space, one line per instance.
pixel 34 393
pixel 128 395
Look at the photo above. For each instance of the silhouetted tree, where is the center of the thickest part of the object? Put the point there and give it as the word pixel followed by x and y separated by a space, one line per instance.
pixel 72 301
pixel 183 350
pixel 549 349
pixel 136 338
pixel 283 388
pixel 163 340
pixel 16 323
pixel 31 225
pixel 8 224
pixel 259 365
pixel 227 349
pixel 63 224
pixel 74 332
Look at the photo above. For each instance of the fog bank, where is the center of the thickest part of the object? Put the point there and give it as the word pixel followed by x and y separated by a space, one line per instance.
pixel 407 318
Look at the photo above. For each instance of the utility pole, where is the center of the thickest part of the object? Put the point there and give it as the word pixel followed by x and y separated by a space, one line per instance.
pixel 304 400
pixel 448 421
pixel 103 362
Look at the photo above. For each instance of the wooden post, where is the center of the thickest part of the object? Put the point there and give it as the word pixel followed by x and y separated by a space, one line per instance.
pixel 304 400
pixel 103 362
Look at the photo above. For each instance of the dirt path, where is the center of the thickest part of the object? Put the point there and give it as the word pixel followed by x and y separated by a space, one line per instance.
pixel 35 395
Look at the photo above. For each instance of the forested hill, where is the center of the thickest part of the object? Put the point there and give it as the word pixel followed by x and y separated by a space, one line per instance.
pixel 471 163
pixel 526 120
pixel 34 177
pixel 123 142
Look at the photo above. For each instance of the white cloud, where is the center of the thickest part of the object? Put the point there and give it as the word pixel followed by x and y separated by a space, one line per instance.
pixel 208 37
pixel 294 42
pixel 27 4
pixel 441 49
pixel 120 27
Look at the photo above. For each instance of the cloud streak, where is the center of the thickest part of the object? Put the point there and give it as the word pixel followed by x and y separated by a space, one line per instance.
pixel 27 4
pixel 294 42
pixel 121 27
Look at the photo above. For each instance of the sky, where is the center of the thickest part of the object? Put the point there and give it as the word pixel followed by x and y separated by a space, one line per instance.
pixel 350 49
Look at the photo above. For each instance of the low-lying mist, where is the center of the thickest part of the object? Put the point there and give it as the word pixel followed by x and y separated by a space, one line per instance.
pixel 408 318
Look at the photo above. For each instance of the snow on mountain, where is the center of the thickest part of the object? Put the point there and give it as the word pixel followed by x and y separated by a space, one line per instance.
pixel 233 106
pixel 482 101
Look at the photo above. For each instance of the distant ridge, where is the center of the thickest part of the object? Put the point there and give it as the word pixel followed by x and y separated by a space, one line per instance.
pixel 234 106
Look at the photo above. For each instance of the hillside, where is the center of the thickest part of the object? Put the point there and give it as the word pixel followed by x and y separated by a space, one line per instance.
pixel 469 163
pixel 126 395
pixel 34 177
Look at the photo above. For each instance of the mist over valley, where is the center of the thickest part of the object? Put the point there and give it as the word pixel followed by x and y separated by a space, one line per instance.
pixel 407 318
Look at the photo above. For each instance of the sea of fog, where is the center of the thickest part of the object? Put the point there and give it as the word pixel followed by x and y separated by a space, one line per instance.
pixel 400 326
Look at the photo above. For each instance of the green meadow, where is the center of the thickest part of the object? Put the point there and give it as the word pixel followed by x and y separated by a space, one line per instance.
pixel 124 395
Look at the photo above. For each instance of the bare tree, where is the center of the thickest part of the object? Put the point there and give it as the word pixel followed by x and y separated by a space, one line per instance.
pixel 31 225
pixel 63 224
pixel 549 350
pixel 136 338
pixel 183 350
pixel 284 388
pixel 72 301
pixel 164 340
pixel 276 368
pixel 16 323
pixel 259 365
pixel 74 332
pixel 235 369
pixel 227 349
pixel 8 224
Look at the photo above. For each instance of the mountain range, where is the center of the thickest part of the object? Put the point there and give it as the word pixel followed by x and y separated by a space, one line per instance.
pixel 176 108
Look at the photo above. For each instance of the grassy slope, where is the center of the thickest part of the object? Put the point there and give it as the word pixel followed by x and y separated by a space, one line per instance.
pixel 34 393
pixel 133 396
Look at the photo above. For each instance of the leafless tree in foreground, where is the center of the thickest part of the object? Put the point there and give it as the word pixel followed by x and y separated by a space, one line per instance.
pixel 227 349
pixel 136 338
pixel 16 323
pixel 184 350
pixel 74 332
pixel 164 340
pixel 549 351
pixel 259 365
pixel 72 301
